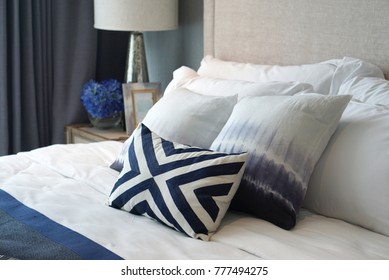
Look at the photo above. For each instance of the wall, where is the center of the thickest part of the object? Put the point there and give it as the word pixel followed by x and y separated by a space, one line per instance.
pixel 165 50
pixel 168 50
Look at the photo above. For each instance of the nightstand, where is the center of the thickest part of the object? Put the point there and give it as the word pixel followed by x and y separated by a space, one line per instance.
pixel 86 133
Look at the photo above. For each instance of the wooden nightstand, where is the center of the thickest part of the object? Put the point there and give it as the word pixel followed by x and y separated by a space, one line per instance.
pixel 86 133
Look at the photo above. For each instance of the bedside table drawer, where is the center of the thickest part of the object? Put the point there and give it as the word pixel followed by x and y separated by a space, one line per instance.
pixel 85 133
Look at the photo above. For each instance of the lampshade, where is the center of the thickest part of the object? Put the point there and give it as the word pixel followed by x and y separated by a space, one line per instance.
pixel 136 15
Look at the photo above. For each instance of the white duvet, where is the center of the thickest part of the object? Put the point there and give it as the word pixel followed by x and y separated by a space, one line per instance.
pixel 70 184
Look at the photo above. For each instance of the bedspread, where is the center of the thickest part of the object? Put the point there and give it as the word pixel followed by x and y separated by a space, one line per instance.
pixel 68 186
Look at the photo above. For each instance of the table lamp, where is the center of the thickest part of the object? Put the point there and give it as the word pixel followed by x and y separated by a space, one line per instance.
pixel 136 16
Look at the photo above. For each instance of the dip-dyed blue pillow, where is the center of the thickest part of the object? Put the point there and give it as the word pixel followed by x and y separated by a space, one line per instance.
pixel 285 137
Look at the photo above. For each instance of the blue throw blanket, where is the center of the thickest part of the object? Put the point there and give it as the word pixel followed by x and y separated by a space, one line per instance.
pixel 27 234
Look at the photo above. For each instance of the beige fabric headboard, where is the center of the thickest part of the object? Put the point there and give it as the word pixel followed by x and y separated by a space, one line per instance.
pixel 297 31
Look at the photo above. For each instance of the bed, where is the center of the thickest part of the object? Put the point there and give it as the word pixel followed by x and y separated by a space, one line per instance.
pixel 278 148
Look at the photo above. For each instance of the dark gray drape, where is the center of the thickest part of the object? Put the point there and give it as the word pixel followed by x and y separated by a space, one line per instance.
pixel 48 51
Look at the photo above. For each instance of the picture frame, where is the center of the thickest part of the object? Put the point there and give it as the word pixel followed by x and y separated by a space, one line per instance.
pixel 138 99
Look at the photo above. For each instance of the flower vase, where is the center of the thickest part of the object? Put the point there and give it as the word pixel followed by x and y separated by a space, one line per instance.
pixel 107 122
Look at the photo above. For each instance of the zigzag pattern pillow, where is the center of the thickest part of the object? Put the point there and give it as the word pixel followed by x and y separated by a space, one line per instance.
pixel 183 187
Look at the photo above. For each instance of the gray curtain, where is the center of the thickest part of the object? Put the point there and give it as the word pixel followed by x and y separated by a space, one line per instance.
pixel 48 50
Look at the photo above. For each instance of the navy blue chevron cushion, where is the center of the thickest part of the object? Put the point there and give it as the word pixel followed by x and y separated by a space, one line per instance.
pixel 186 188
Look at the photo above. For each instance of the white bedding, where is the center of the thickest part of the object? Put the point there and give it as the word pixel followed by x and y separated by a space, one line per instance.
pixel 71 183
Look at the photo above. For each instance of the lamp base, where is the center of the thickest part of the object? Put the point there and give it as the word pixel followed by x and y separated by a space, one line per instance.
pixel 136 68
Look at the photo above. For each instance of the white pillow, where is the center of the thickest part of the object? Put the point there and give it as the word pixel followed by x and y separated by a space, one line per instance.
pixel 180 76
pixel 319 75
pixel 350 68
pixel 186 117
pixel 284 137
pixel 190 118
pixel 326 77
pixel 188 78
pixel 351 180
pixel 366 89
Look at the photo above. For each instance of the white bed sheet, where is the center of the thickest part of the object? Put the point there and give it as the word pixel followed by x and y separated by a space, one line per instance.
pixel 70 184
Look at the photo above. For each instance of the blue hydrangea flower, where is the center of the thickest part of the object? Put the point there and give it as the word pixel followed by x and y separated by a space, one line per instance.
pixel 102 99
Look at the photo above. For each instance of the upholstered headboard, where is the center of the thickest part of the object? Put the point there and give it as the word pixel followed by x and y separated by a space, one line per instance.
pixel 296 32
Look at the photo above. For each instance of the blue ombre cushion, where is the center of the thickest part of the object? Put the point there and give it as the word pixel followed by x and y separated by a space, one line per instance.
pixel 284 136
pixel 183 187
